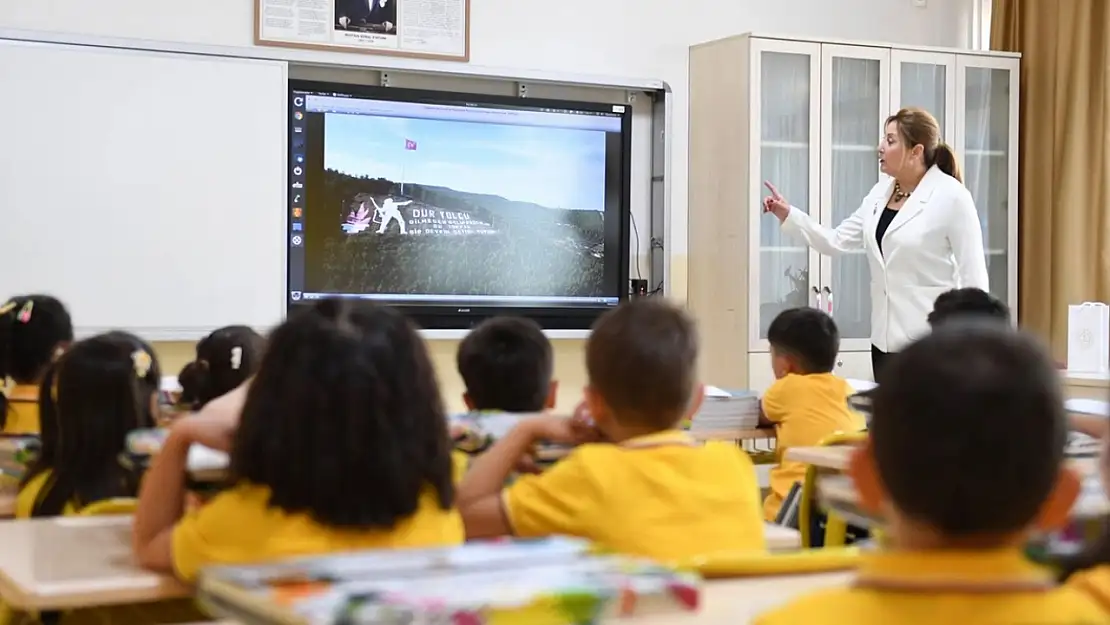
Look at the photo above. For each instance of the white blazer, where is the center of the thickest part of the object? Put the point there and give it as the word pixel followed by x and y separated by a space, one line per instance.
pixel 934 244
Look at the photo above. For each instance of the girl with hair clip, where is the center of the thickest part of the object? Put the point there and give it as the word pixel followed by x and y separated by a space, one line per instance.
pixel 101 389
pixel 1090 570
pixel 341 445
pixel 225 359
pixel 34 330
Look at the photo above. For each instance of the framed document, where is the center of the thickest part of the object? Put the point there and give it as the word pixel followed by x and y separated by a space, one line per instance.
pixel 432 29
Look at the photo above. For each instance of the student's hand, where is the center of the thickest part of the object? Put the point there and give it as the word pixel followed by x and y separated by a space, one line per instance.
pixel 214 426
pixel 561 430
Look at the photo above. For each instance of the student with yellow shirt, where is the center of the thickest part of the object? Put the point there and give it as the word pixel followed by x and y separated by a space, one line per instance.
pixel 341 445
pixel 102 388
pixel 1089 572
pixel 651 491
pixel 807 401
pixel 965 459
pixel 34 330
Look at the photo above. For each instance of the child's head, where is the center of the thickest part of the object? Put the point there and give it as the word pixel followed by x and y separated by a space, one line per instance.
pixel 344 420
pixel 225 359
pixel 641 359
pixel 507 364
pixel 967 441
pixel 96 393
pixel 803 341
pixel 33 330
pixel 967 302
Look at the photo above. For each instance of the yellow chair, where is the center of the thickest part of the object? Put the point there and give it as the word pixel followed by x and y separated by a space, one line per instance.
pixel 761 563
pixel 836 528
pixel 111 507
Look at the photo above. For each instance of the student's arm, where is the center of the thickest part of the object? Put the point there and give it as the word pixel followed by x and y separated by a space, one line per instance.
pixel 774 405
pixel 162 495
pixel 480 496
pixel 1097 427
pixel 161 502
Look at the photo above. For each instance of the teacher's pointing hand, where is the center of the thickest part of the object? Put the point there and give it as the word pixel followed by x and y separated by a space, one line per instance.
pixel 775 203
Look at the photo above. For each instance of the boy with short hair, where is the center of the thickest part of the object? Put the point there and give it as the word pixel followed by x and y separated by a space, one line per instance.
pixel 807 401
pixel 965 459
pixel 507 365
pixel 965 303
pixel 653 490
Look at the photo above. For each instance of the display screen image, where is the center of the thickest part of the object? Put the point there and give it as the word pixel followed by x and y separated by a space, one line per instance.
pixel 426 203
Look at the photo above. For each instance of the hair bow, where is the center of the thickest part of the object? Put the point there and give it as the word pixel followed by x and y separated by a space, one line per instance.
pixel 24 314
pixel 142 362
pixel 236 358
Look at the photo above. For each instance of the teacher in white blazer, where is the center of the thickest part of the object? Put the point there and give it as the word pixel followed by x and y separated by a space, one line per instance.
pixel 918 227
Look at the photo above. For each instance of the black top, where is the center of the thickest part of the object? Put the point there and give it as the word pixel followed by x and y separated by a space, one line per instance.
pixel 884 223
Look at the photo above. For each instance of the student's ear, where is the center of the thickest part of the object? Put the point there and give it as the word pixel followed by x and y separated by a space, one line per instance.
pixel 1056 510
pixel 469 403
pixel 865 475
pixel 552 395
pixel 696 401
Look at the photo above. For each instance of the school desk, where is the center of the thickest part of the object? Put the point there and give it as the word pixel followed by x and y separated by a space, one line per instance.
pixel 838 492
pixel 836 458
pixel 68 562
pixel 781 538
pixel 734 601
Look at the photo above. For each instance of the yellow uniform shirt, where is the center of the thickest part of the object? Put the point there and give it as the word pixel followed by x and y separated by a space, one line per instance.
pixel 1095 583
pixel 805 410
pixel 943 588
pixel 23 411
pixel 237 527
pixel 25 501
pixel 662 496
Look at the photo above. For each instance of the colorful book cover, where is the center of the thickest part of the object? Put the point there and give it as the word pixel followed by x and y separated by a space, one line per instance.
pixel 17 452
pixel 546 582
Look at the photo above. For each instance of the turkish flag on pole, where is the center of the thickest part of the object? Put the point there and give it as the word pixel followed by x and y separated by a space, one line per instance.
pixel 410 144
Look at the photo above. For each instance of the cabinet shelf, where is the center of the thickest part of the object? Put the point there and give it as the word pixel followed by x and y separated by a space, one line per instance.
pixel 992 153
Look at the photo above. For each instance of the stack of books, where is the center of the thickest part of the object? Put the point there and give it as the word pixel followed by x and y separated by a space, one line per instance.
pixel 725 410
pixel 554 581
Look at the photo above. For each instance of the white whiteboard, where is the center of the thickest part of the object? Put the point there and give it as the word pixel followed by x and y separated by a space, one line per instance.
pixel 144 189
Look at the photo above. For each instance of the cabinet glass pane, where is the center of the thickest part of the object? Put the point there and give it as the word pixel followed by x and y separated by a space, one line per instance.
pixel 923 86
pixel 784 160
pixel 856 117
pixel 986 164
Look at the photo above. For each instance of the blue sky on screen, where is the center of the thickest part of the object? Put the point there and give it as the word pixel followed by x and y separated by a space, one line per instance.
pixel 554 167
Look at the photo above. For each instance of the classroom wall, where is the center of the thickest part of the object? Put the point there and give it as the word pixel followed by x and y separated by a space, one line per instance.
pixel 634 38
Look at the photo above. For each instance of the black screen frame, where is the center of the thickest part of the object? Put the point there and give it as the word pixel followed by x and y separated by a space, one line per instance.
pixel 454 316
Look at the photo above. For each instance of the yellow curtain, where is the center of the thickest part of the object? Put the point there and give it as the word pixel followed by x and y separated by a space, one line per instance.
pixel 1064 174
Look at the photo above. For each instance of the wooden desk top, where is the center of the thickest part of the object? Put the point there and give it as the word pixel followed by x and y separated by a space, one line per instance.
pixel 51 564
pixel 736 601
pixel 734 435
pixel 1092 501
pixel 835 458
pixel 781 538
